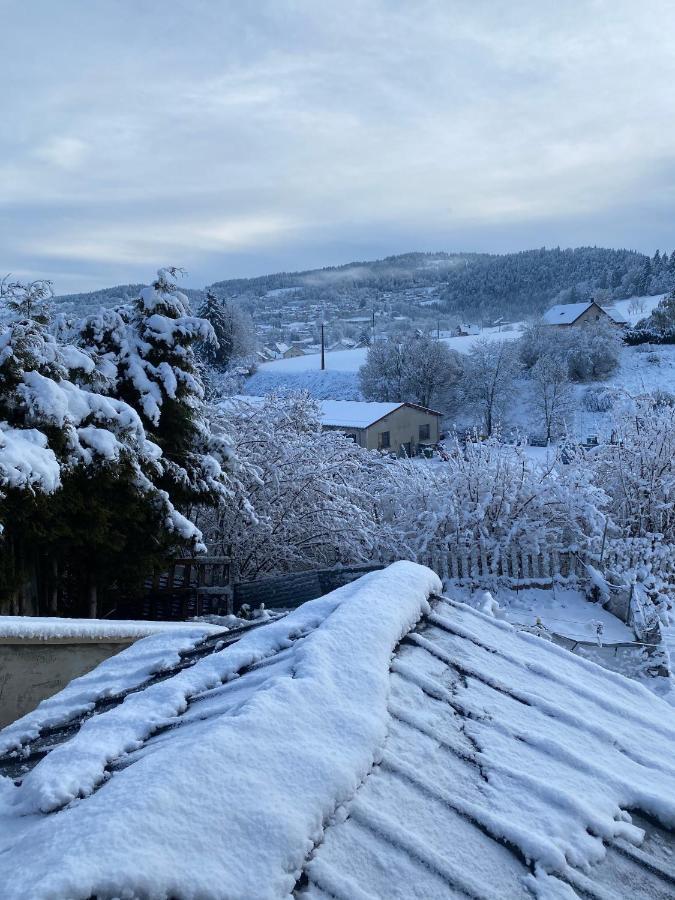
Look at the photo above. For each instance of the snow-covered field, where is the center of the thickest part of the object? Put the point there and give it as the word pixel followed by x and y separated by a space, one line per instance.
pixel 352 360
pixel 339 380
pixel 636 308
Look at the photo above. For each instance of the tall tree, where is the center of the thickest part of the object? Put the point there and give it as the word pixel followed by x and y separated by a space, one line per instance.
pixel 551 394
pixel 232 329
pixel 488 380
pixel 89 451
pixel 417 369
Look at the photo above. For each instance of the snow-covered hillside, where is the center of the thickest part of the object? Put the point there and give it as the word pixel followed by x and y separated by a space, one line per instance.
pixel 636 308
pixel 339 380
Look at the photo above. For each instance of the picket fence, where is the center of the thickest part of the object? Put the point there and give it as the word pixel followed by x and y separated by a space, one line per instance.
pixel 477 564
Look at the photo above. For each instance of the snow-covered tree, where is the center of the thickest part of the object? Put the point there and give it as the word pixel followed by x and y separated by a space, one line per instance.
pixel 305 498
pixel 232 328
pixel 146 353
pixel 638 469
pixel 106 513
pixel 417 369
pixel 29 302
pixel 552 395
pixel 487 384
pixel 383 376
pixel 593 351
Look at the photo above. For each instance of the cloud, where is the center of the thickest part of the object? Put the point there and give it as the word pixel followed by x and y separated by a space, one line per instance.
pixel 246 137
pixel 63 152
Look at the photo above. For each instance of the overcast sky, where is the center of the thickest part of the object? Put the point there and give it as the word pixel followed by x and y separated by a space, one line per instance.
pixel 239 138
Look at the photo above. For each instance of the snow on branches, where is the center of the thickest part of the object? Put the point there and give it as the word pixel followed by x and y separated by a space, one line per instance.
pixel 109 408
pixel 305 498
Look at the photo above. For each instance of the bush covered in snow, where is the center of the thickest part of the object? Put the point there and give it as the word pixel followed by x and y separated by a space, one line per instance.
pixel 493 495
pixel 304 497
pixel 598 399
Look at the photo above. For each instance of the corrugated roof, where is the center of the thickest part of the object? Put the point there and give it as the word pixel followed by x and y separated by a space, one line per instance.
pixel 508 767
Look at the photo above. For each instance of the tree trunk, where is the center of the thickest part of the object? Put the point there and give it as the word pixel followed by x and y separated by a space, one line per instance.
pixel 93 600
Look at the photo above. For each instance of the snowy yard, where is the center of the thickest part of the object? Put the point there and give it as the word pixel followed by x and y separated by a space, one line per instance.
pixel 562 610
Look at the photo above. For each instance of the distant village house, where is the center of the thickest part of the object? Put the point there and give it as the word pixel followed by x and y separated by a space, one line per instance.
pixel 401 428
pixel 464 330
pixel 405 429
pixel 569 314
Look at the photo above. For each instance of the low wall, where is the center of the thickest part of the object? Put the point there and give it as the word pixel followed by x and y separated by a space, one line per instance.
pixel 32 670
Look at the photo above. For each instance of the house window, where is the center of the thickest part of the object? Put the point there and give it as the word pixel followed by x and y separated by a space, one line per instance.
pixel 384 442
pixel 425 432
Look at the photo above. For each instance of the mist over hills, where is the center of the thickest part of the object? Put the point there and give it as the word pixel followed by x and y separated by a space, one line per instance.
pixel 479 286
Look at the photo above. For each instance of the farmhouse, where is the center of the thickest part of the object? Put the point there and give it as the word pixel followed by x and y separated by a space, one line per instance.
pixel 568 314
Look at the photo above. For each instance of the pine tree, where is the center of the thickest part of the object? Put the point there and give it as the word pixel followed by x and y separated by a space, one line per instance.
pixel 232 329
pixel 79 499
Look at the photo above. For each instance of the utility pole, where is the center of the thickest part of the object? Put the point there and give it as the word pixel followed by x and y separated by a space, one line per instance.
pixel 323 352
pixel 373 335
pixel 438 330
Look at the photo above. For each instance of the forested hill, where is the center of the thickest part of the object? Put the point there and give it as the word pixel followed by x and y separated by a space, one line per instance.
pixel 475 285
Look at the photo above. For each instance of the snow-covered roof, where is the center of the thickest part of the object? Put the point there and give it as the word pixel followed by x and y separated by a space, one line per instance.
pixel 354 413
pixel 615 315
pixel 565 313
pixel 347 413
pixel 367 745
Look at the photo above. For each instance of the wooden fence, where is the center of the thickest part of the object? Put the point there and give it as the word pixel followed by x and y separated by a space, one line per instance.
pixel 182 589
pixel 477 564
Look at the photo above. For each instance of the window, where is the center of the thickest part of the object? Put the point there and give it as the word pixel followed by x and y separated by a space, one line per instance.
pixel 425 432
pixel 383 440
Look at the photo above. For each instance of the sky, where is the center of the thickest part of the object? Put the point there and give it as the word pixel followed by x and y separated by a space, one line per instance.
pixel 241 138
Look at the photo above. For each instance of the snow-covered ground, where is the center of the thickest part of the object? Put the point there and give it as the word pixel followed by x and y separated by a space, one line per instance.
pixel 339 380
pixel 562 610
